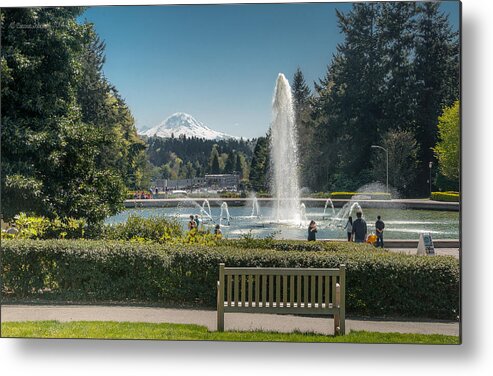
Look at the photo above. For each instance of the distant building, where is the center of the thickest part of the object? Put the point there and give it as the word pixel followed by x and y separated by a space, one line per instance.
pixel 223 181
pixel 215 181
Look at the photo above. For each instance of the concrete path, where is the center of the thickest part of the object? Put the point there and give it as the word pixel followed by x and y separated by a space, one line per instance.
pixel 233 321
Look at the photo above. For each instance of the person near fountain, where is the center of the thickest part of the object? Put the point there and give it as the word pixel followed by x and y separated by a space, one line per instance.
pixel 217 231
pixel 349 228
pixel 359 229
pixel 379 226
pixel 192 224
pixel 197 221
pixel 312 230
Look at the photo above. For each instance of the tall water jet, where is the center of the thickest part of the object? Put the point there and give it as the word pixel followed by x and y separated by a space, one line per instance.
pixel 255 207
pixel 284 155
pixel 224 213
pixel 325 207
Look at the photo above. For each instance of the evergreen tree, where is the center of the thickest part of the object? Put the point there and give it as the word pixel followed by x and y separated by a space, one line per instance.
pixel 214 161
pixel 260 165
pixel 302 108
pixel 437 74
pixel 229 166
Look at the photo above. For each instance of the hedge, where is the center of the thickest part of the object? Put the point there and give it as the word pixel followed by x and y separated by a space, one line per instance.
pixel 445 196
pixel 378 283
pixel 370 195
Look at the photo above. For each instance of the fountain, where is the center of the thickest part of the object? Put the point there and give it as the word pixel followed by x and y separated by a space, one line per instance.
pixel 224 211
pixel 348 209
pixel 303 218
pixel 284 155
pixel 325 207
pixel 255 208
pixel 207 213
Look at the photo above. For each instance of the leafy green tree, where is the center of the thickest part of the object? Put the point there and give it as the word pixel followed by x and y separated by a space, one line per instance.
pixel 447 149
pixel 66 151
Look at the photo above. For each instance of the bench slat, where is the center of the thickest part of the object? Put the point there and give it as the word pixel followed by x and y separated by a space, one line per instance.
pixel 320 289
pixel 264 288
pixel 291 289
pixel 250 288
pixel 228 289
pixel 271 289
pixel 281 271
pixel 285 289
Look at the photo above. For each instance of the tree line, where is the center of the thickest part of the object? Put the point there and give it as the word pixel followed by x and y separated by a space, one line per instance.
pixel 390 79
pixel 188 157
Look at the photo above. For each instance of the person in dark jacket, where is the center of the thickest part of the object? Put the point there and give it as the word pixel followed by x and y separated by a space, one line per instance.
pixel 359 229
pixel 312 230
pixel 379 226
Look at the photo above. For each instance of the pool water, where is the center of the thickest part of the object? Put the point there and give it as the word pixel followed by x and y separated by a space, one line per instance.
pixel 399 223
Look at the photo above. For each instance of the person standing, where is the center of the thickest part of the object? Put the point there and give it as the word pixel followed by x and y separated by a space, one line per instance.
pixel 349 228
pixel 379 226
pixel 359 229
pixel 312 230
pixel 192 224
pixel 197 221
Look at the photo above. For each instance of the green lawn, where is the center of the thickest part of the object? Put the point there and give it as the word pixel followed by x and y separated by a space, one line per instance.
pixel 185 332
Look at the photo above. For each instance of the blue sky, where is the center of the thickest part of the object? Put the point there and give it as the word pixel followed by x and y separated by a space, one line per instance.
pixel 218 63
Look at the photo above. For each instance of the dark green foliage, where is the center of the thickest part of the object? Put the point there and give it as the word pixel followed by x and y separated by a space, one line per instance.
pixel 396 69
pixel 163 153
pixel 69 145
pixel 378 283
pixel 259 169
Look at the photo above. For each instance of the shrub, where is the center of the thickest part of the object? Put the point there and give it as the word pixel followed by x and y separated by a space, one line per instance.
pixel 378 283
pixel 368 195
pixel 445 196
pixel 156 229
pixel 33 227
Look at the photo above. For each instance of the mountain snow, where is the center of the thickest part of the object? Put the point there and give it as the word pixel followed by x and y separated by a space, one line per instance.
pixel 184 124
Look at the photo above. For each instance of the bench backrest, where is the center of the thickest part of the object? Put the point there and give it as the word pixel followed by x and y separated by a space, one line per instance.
pixel 287 290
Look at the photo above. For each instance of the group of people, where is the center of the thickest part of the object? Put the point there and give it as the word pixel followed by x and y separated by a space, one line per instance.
pixel 142 195
pixel 357 231
pixel 194 223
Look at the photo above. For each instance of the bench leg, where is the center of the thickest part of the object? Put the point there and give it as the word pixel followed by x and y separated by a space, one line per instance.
pixel 220 308
pixel 337 327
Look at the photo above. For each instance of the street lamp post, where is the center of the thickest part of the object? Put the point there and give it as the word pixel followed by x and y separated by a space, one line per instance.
pixel 387 155
pixel 430 165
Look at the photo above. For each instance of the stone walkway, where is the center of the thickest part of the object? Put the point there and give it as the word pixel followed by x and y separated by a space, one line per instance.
pixel 233 321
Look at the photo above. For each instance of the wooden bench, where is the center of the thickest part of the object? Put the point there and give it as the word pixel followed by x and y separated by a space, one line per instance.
pixel 282 291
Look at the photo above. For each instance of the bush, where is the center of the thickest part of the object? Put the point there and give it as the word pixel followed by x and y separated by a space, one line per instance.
pixel 378 283
pixel 33 227
pixel 369 195
pixel 445 196
pixel 156 229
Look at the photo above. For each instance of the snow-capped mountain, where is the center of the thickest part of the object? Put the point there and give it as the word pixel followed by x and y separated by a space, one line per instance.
pixel 184 124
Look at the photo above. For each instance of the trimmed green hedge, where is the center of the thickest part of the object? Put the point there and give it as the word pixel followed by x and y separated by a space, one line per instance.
pixel 371 195
pixel 445 196
pixel 378 283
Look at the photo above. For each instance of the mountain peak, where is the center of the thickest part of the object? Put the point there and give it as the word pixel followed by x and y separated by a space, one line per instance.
pixel 181 123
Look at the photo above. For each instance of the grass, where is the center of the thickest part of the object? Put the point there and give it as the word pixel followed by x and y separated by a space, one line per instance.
pixel 186 332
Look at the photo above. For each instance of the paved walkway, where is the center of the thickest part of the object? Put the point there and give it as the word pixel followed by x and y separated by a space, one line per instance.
pixel 233 321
